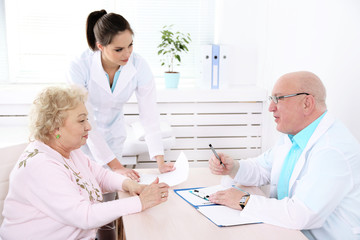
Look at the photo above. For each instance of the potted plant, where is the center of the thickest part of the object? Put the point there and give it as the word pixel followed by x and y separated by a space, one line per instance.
pixel 172 44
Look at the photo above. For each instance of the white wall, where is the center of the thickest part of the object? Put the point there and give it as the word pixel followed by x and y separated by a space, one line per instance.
pixel 281 36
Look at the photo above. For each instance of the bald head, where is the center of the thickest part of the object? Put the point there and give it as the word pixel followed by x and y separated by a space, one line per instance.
pixel 295 110
pixel 307 82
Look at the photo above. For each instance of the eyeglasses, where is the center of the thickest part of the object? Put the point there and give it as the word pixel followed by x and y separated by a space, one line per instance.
pixel 275 99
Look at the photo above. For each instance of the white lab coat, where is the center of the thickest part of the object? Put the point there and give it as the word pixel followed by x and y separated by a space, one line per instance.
pixel 106 108
pixel 324 189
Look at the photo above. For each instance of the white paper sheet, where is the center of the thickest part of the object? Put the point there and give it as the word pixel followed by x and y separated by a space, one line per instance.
pixel 179 175
pixel 213 189
pixel 224 216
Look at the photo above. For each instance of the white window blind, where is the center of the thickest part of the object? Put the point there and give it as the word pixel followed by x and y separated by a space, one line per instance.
pixel 43 36
pixel 147 18
pixel 4 74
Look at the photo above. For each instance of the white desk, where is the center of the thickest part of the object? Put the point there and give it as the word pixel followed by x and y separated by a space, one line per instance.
pixel 177 220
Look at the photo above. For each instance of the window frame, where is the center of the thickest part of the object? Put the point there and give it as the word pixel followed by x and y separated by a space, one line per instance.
pixel 55 75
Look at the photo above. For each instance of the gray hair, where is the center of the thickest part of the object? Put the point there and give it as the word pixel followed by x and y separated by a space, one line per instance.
pixel 49 109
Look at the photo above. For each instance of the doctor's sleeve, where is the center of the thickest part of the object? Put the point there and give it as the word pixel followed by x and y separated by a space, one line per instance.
pixel 149 115
pixel 307 208
pixel 255 171
pixel 99 148
pixel 78 73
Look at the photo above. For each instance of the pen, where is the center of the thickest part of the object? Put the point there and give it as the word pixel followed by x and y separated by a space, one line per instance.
pixel 200 194
pixel 216 155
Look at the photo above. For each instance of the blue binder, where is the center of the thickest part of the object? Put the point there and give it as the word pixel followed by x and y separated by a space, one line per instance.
pixel 215 67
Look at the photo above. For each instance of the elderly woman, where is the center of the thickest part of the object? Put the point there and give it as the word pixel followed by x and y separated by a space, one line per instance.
pixel 55 190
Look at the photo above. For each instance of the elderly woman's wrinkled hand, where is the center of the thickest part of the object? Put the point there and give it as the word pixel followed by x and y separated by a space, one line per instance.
pixel 154 194
pixel 133 187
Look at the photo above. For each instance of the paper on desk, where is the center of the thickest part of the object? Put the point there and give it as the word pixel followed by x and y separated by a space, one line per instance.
pixel 214 189
pixel 224 216
pixel 221 215
pixel 179 175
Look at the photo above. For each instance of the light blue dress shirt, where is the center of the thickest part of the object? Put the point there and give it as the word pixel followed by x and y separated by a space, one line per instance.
pixel 116 77
pixel 299 142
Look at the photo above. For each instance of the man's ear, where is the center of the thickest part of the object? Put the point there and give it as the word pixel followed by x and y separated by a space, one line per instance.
pixel 309 104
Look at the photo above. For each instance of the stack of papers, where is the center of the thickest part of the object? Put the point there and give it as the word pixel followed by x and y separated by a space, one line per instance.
pixel 220 215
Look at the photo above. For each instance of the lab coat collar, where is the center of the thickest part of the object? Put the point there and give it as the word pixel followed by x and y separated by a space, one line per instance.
pixel 325 123
pixel 98 74
pixel 126 75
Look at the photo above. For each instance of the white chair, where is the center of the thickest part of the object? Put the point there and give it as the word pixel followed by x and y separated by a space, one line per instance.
pixel 135 143
pixel 8 157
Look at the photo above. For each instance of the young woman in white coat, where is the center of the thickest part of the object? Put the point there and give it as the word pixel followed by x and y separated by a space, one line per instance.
pixel 112 72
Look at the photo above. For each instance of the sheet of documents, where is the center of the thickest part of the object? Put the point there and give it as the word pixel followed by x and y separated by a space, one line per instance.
pixel 179 175
pixel 213 189
pixel 222 216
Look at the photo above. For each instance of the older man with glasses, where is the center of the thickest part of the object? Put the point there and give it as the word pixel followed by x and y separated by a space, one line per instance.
pixel 313 170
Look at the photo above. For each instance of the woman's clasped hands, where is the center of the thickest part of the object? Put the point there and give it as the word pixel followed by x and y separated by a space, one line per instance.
pixel 150 195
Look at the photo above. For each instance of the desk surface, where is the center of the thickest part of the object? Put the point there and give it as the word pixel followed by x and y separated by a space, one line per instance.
pixel 176 219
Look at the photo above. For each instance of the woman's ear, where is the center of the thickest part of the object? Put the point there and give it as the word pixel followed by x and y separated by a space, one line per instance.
pixel 99 46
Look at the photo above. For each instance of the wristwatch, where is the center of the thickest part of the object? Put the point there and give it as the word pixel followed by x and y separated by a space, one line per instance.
pixel 244 200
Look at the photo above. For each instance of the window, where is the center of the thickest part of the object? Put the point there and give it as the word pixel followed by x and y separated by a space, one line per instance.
pixel 42 36
pixel 4 69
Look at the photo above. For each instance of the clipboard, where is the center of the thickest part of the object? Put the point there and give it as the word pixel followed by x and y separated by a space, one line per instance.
pixel 190 198
pixel 221 216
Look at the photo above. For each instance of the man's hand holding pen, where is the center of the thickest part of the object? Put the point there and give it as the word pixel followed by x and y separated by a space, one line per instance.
pixel 220 169
pixel 228 166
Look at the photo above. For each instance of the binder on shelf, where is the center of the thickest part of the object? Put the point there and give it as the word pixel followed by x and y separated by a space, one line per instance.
pixel 225 71
pixel 215 66
pixel 206 62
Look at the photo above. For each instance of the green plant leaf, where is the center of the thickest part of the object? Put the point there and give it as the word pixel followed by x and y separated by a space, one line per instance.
pixel 172 44
pixel 178 58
